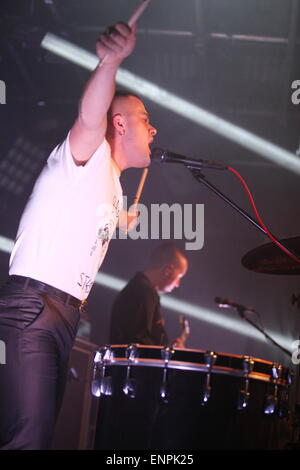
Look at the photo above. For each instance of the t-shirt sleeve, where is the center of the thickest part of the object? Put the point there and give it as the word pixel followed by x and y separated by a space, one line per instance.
pixel 61 159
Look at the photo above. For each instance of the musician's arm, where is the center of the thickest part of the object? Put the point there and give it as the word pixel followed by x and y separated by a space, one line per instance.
pixel 90 126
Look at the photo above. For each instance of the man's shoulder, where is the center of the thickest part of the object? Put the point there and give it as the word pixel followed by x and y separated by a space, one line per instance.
pixel 140 279
pixel 139 286
pixel 62 154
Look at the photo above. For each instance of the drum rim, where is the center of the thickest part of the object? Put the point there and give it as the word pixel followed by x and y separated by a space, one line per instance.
pixel 201 351
pixel 179 365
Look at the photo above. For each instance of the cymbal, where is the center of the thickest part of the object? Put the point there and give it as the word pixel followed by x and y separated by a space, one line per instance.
pixel 270 259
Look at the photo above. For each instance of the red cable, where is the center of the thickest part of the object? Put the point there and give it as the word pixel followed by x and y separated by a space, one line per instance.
pixel 259 218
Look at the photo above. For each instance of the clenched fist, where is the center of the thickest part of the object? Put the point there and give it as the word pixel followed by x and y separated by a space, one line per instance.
pixel 116 43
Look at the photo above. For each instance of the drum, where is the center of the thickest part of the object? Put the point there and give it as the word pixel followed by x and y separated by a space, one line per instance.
pixel 165 399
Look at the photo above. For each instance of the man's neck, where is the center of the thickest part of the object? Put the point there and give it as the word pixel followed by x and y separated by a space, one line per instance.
pixel 117 154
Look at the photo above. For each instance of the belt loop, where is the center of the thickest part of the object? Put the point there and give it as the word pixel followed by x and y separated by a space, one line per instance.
pixel 26 283
pixel 66 302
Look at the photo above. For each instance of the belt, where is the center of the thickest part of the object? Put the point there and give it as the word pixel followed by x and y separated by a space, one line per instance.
pixel 66 299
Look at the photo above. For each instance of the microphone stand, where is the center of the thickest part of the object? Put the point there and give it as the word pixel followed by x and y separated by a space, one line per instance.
pixel 241 311
pixel 201 179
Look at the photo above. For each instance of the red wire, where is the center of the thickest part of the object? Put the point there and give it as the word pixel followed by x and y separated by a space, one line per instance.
pixel 259 218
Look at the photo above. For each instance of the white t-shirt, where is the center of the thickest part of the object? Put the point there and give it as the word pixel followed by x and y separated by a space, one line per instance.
pixel 68 221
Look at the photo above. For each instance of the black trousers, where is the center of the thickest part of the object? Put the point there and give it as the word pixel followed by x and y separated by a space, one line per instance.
pixel 38 333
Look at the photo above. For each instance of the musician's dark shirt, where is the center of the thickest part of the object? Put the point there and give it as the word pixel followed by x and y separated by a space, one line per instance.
pixel 136 316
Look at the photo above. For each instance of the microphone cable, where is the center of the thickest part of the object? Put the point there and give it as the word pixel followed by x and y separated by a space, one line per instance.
pixel 260 221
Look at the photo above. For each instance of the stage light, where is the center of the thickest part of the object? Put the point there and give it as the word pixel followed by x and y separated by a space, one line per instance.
pixel 111 282
pixel 177 105
pixel 69 51
pixel 6 245
pixel 20 165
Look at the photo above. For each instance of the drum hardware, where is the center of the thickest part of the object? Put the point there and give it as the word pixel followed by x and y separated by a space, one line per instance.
pixel 172 376
pixel 271 401
pixel 129 387
pixel 244 394
pixel 166 354
pixel 209 358
pixel 284 407
pixel 289 377
pixel 101 384
pixel 284 403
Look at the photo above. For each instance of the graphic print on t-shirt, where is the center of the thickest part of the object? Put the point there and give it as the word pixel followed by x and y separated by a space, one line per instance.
pixel 107 216
pixel 85 283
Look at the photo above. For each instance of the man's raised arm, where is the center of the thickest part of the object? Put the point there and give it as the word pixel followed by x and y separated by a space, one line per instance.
pixel 89 128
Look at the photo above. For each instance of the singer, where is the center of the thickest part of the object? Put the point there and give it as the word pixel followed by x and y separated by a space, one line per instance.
pixel 136 316
pixel 62 239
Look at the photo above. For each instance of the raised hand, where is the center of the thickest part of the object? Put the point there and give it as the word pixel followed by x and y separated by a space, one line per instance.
pixel 116 43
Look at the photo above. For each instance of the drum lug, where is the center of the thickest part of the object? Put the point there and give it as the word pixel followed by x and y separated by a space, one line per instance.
pixel 209 358
pixel 129 387
pixel 279 401
pixel 132 353
pixel 206 391
pixel 283 407
pixel 244 394
pixel 243 399
pixel 164 388
pixel 271 402
pixel 289 377
pixel 101 384
pixel 166 354
pixel 276 371
pixel 248 364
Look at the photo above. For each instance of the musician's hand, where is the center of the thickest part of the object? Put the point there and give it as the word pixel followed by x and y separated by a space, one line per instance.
pixel 178 343
pixel 128 220
pixel 116 43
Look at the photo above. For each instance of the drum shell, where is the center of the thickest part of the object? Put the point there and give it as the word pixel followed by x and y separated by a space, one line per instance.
pixel 146 422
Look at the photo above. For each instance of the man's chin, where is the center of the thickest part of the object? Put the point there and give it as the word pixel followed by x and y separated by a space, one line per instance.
pixel 144 163
pixel 166 290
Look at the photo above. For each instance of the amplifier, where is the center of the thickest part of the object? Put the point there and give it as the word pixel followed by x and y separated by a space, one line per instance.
pixel 75 428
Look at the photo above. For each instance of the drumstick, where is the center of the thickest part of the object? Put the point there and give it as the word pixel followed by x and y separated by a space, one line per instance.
pixel 135 16
pixel 131 22
pixel 140 187
pixel 133 19
pixel 124 219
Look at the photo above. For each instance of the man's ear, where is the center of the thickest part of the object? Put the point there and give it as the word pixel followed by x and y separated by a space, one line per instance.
pixel 119 123
pixel 168 269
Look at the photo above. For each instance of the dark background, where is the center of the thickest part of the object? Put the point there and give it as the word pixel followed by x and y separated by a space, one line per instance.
pixel 235 59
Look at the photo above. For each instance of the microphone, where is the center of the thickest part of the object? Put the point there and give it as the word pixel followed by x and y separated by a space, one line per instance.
pixel 225 303
pixel 171 157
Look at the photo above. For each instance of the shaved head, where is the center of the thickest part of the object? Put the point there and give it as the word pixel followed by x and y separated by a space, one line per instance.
pixel 129 131
pixel 120 104
pixel 166 267
pixel 164 254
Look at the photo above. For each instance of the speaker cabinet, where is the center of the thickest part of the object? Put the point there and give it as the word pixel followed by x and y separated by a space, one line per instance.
pixel 75 428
